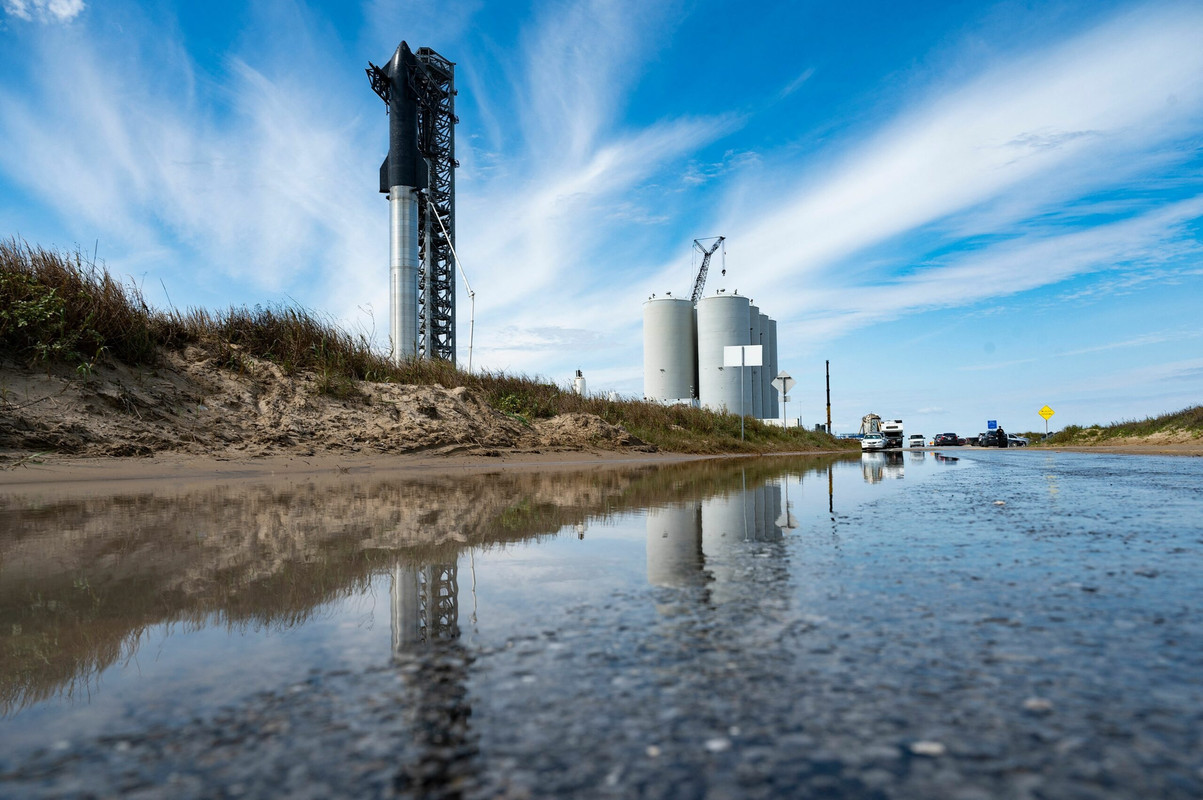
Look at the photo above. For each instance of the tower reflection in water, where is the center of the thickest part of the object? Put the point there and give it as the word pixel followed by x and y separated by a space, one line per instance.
pixel 425 604
pixel 434 665
pixel 690 544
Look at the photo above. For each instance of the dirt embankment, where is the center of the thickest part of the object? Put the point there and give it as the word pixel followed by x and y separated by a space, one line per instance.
pixel 191 404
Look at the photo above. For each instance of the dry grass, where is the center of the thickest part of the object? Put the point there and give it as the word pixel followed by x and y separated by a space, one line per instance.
pixel 60 308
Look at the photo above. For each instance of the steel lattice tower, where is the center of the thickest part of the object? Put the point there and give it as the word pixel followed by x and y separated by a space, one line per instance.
pixel 436 280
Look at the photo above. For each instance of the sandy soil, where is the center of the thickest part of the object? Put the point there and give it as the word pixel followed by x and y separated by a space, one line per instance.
pixel 192 414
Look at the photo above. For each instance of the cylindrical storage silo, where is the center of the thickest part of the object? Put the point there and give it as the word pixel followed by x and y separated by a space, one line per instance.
pixel 766 374
pixel 674 545
pixel 756 374
pixel 670 353
pixel 774 368
pixel 722 321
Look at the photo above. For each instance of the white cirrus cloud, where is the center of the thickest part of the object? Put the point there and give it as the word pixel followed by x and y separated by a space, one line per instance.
pixel 44 10
pixel 1036 130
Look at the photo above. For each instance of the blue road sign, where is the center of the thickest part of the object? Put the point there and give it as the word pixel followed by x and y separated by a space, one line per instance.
pixel 991 424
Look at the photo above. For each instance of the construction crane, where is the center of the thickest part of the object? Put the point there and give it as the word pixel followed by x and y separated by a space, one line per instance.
pixel 707 252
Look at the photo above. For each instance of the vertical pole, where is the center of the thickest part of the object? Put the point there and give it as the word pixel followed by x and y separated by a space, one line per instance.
pixel 742 351
pixel 828 398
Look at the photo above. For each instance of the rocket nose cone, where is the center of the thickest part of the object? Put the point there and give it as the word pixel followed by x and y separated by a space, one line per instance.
pixel 400 56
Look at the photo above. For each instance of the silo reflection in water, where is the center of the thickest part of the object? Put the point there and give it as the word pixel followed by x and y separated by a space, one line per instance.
pixel 674 545
pixel 731 521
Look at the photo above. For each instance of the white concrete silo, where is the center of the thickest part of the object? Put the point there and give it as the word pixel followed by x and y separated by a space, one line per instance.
pixel 755 374
pixel 670 350
pixel 766 373
pixel 722 321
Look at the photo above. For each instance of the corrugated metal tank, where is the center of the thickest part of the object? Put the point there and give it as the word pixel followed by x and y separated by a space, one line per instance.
pixel 674 545
pixel 722 321
pixel 756 374
pixel 670 349
pixel 774 368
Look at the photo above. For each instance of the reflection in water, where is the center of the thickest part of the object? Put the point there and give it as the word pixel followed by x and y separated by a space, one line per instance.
pixel 674 545
pixel 425 604
pixel 830 494
pixel 85 578
pixel 943 459
pixel 878 466
pixel 692 543
pixel 425 615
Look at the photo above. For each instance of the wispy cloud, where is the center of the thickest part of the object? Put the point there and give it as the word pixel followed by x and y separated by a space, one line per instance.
pixel 44 10
pixel 1108 97
pixel 1009 268
pixel 252 184
pixel 554 227
pixel 797 82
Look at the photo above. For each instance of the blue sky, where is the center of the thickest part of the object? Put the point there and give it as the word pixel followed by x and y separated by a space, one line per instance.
pixel 971 209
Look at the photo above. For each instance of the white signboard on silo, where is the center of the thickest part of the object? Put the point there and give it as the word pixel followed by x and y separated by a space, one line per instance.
pixel 743 355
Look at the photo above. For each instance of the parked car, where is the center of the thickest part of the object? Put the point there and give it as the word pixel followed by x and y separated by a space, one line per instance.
pixel 989 439
pixel 1017 441
pixel 948 440
pixel 873 441
pixel 916 440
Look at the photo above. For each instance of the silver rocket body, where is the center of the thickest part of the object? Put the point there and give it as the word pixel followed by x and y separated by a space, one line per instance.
pixel 402 176
pixel 403 272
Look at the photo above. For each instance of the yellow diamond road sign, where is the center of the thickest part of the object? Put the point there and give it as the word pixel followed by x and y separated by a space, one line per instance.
pixel 1046 412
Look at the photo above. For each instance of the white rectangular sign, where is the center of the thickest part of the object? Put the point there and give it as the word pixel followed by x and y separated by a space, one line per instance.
pixel 743 355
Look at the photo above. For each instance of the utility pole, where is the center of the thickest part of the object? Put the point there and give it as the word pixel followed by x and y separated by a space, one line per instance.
pixel 828 398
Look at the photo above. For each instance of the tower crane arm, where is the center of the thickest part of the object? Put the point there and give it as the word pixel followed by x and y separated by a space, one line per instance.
pixel 700 283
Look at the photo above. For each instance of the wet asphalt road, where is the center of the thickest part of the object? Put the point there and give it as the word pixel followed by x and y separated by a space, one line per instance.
pixel 1012 624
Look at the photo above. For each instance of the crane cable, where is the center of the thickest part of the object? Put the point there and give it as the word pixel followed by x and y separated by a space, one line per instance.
pixel 462 274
